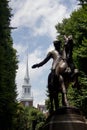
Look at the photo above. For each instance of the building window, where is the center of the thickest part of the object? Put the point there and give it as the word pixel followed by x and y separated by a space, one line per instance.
pixel 28 90
pixel 25 90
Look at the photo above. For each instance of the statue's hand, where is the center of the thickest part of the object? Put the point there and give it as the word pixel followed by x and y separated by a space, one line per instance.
pixel 34 66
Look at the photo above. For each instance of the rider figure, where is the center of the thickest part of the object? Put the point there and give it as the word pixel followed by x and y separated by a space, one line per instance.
pixel 54 54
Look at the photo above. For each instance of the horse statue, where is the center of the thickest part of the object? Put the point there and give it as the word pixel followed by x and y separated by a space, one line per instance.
pixel 59 80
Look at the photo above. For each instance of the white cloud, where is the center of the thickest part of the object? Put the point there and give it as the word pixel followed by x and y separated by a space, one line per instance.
pixel 51 47
pixel 46 13
pixel 20 48
pixel 52 16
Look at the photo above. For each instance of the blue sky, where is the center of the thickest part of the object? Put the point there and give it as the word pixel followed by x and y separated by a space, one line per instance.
pixel 35 21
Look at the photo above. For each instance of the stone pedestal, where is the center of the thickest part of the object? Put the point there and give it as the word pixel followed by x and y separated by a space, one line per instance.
pixel 66 118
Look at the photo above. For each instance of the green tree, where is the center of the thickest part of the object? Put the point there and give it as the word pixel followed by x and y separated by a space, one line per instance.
pixel 82 2
pixel 28 118
pixel 8 66
pixel 21 120
pixel 76 26
pixel 37 119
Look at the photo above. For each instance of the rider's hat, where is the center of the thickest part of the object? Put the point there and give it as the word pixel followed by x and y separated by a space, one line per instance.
pixel 57 42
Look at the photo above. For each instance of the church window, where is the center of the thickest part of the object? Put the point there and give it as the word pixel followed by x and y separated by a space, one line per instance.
pixel 28 90
pixel 25 90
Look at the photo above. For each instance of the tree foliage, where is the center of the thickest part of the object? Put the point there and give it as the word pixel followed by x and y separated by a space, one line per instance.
pixel 21 120
pixel 76 26
pixel 37 119
pixel 8 66
pixel 28 118
pixel 82 2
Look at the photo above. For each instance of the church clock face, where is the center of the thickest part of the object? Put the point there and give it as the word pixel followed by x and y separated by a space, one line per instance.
pixel 26 103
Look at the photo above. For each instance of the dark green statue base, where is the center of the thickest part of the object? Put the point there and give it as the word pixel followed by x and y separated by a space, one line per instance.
pixel 66 118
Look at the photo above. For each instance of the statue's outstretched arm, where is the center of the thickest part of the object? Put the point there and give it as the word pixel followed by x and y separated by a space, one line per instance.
pixel 42 62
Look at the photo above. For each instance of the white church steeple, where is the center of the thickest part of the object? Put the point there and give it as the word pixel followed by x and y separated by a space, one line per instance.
pixel 26 78
pixel 27 98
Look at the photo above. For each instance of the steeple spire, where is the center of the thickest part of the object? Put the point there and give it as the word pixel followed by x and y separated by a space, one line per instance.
pixel 26 78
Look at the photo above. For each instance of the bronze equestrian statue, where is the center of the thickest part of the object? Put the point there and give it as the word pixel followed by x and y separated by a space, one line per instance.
pixel 56 81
